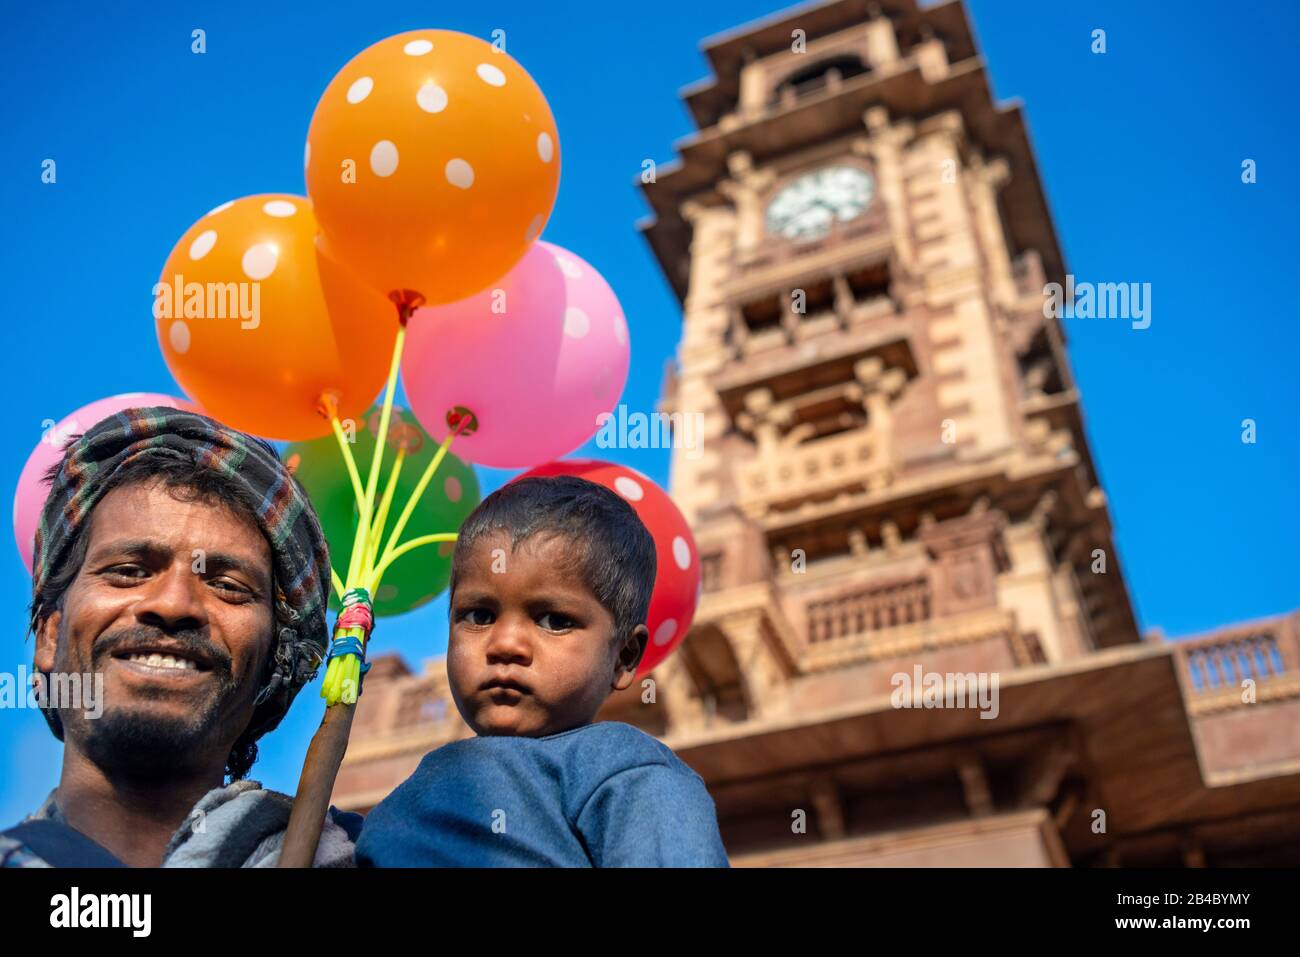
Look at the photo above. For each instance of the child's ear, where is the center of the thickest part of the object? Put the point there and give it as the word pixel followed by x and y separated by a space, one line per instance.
pixel 629 656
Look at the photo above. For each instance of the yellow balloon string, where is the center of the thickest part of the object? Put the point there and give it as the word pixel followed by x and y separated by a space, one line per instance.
pixel 343 673
pixel 409 545
pixel 416 495
pixel 372 480
pixel 365 566
pixel 377 531
pixel 348 460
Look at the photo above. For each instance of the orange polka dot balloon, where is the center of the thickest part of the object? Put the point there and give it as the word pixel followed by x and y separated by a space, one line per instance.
pixel 257 326
pixel 433 162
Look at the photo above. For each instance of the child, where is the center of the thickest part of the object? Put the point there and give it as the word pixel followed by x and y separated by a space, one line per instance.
pixel 550 584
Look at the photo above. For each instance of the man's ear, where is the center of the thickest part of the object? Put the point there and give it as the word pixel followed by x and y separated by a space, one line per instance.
pixel 47 641
pixel 629 656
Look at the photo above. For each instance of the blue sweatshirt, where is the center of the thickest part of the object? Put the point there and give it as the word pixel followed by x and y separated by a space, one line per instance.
pixel 603 795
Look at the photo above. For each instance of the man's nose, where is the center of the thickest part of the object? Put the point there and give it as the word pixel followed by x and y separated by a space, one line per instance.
pixel 510 641
pixel 173 600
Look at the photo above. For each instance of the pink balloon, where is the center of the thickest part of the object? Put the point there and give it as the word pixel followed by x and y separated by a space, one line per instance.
pixel 536 371
pixel 32 491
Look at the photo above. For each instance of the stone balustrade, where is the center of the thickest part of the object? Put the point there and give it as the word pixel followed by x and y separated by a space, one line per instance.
pixel 870 609
pixel 805 472
pixel 1216 667
pixel 1223 661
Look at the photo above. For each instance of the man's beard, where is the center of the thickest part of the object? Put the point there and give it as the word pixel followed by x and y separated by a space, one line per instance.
pixel 146 746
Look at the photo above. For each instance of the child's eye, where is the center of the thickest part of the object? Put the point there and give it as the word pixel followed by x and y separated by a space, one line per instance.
pixel 476 616
pixel 554 621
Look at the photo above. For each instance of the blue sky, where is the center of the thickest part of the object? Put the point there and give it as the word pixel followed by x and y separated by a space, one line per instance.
pixel 1140 152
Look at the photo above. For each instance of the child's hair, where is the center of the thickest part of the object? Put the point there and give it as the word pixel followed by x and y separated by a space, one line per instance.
pixel 612 549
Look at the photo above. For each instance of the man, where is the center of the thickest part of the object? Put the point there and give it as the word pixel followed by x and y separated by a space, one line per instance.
pixel 179 563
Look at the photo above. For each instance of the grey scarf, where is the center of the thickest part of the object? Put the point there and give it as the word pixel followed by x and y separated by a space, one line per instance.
pixel 240 825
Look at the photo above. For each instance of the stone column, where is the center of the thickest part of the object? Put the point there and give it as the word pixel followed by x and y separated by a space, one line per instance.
pixel 762 676
pixel 880 385
pixel 884 147
pixel 676 692
pixel 745 189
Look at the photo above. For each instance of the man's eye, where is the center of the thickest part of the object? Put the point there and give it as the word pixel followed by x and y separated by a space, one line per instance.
pixel 126 571
pixel 231 588
pixel 554 621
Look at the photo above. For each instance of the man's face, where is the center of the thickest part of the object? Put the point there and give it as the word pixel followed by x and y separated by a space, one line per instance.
pixel 173 606
pixel 531 650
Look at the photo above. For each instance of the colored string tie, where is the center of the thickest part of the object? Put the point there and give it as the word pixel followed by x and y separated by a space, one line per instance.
pixel 353 627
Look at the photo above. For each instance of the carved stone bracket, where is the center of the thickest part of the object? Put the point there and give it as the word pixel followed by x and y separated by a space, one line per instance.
pixel 765 419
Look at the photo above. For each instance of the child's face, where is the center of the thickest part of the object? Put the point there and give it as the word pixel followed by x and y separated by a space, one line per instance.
pixel 525 618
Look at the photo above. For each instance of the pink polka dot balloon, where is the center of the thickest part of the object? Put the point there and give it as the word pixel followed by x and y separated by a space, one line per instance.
pixel 537 358
pixel 29 498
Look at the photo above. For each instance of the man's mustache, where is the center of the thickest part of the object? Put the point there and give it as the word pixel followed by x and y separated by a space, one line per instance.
pixel 187 642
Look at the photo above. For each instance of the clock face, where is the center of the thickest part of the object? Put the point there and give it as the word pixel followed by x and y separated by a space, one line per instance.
pixel 810 205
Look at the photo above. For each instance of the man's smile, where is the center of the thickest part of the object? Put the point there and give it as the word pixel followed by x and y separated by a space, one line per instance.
pixel 158 668
pixel 161 660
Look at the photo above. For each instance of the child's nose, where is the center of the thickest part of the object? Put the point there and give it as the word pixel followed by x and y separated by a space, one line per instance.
pixel 510 642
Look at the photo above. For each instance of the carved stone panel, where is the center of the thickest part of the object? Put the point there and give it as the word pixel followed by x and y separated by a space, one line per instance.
pixel 967 553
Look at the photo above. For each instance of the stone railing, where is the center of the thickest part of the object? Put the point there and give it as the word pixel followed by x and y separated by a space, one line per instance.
pixel 1216 666
pixel 1224 661
pixel 806 471
pixel 989 628
pixel 871 609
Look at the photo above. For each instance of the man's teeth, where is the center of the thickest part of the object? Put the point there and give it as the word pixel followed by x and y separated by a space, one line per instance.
pixel 164 661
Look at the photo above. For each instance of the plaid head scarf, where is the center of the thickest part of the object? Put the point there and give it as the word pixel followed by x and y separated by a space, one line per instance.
pixel 299 552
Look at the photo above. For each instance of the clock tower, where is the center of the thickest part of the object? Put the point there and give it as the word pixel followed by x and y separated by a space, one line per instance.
pixel 894 467
pixel 894 478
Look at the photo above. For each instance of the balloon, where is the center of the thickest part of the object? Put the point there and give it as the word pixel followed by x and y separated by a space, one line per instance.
pixel 258 326
pixel 29 499
pixel 677 571
pixel 537 359
pixel 433 162
pixel 421 574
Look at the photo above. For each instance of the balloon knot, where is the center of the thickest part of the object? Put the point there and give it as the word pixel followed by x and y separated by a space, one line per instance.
pixel 327 406
pixel 462 421
pixel 407 300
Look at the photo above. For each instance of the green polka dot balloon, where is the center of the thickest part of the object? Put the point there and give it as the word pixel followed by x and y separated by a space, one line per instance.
pixel 420 575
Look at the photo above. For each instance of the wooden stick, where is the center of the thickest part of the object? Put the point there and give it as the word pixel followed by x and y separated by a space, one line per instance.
pixel 330 743
pixel 311 803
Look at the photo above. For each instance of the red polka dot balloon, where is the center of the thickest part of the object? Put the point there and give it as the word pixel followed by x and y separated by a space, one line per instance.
pixel 677 577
